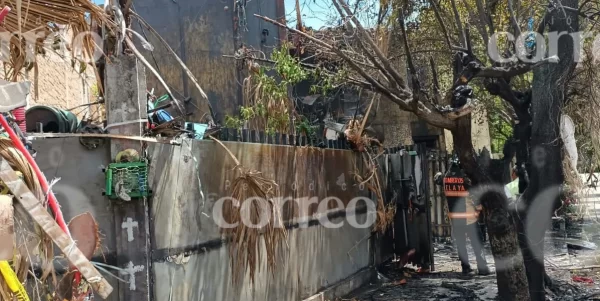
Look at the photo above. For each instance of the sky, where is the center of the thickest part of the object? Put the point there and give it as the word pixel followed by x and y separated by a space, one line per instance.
pixel 319 13
pixel 315 13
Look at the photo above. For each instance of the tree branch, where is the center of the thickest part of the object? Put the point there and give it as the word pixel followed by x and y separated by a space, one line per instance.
pixel 512 71
pixel 407 95
pixel 468 40
pixel 384 61
pixel 513 18
pixel 409 59
pixel 436 83
pixel 436 11
pixel 462 111
pixel 483 21
pixel 480 26
pixel 370 56
pixel 461 31
pixel 542 25
pixel 502 89
pixel 491 8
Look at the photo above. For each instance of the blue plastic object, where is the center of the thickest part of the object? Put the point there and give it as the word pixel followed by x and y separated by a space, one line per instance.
pixel 161 116
pixel 198 128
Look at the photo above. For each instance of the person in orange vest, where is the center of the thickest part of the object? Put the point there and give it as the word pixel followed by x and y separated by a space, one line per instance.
pixel 463 216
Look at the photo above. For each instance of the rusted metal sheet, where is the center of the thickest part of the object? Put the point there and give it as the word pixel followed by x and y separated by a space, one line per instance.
pixel 281 19
pixel 201 32
pixel 189 179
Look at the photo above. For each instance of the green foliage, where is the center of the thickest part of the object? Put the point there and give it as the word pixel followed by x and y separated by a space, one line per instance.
pixel 266 92
pixel 233 122
pixel 306 128
pixel 288 67
pixel 94 90
pixel 428 41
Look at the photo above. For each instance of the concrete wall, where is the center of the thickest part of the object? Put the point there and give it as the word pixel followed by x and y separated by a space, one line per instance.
pixel 188 179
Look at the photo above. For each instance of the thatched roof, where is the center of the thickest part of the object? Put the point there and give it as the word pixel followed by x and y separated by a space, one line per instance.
pixel 39 19
pixel 40 14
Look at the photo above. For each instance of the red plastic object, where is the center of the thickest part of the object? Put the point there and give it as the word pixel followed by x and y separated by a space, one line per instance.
pixel 4 12
pixel 52 202
pixel 19 114
pixel 583 279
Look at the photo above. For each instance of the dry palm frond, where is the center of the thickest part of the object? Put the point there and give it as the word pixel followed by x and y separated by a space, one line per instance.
pixel 18 162
pixel 30 241
pixel 355 134
pixel 39 14
pixel 385 213
pixel 32 22
pixel 256 199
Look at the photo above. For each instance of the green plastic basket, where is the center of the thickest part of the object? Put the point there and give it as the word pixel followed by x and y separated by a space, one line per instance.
pixel 127 179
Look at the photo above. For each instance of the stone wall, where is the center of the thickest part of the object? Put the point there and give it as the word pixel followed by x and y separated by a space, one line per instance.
pixel 392 123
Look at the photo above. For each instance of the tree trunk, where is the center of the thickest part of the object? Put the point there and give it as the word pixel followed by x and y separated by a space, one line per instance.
pixel 510 270
pixel 545 163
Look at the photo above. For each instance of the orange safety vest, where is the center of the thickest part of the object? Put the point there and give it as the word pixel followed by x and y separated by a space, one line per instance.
pixel 455 187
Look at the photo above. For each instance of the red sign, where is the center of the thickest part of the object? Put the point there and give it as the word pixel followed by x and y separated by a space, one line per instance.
pixel 455 187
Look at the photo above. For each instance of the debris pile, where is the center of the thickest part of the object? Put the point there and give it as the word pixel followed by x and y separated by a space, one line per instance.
pixel 28 259
pixel 573 275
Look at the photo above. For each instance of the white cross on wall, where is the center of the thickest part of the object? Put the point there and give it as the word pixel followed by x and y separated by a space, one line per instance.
pixel 129 225
pixel 130 270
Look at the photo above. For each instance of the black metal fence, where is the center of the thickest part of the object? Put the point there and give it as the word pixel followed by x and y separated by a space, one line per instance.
pixel 254 136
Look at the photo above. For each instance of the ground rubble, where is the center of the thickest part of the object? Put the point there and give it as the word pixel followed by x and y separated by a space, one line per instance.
pixel 574 274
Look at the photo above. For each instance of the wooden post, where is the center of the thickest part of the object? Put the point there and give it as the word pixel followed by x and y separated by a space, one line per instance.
pixel 125 93
pixel 41 216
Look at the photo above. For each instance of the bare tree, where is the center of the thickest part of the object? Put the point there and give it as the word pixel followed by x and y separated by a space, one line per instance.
pixel 535 112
